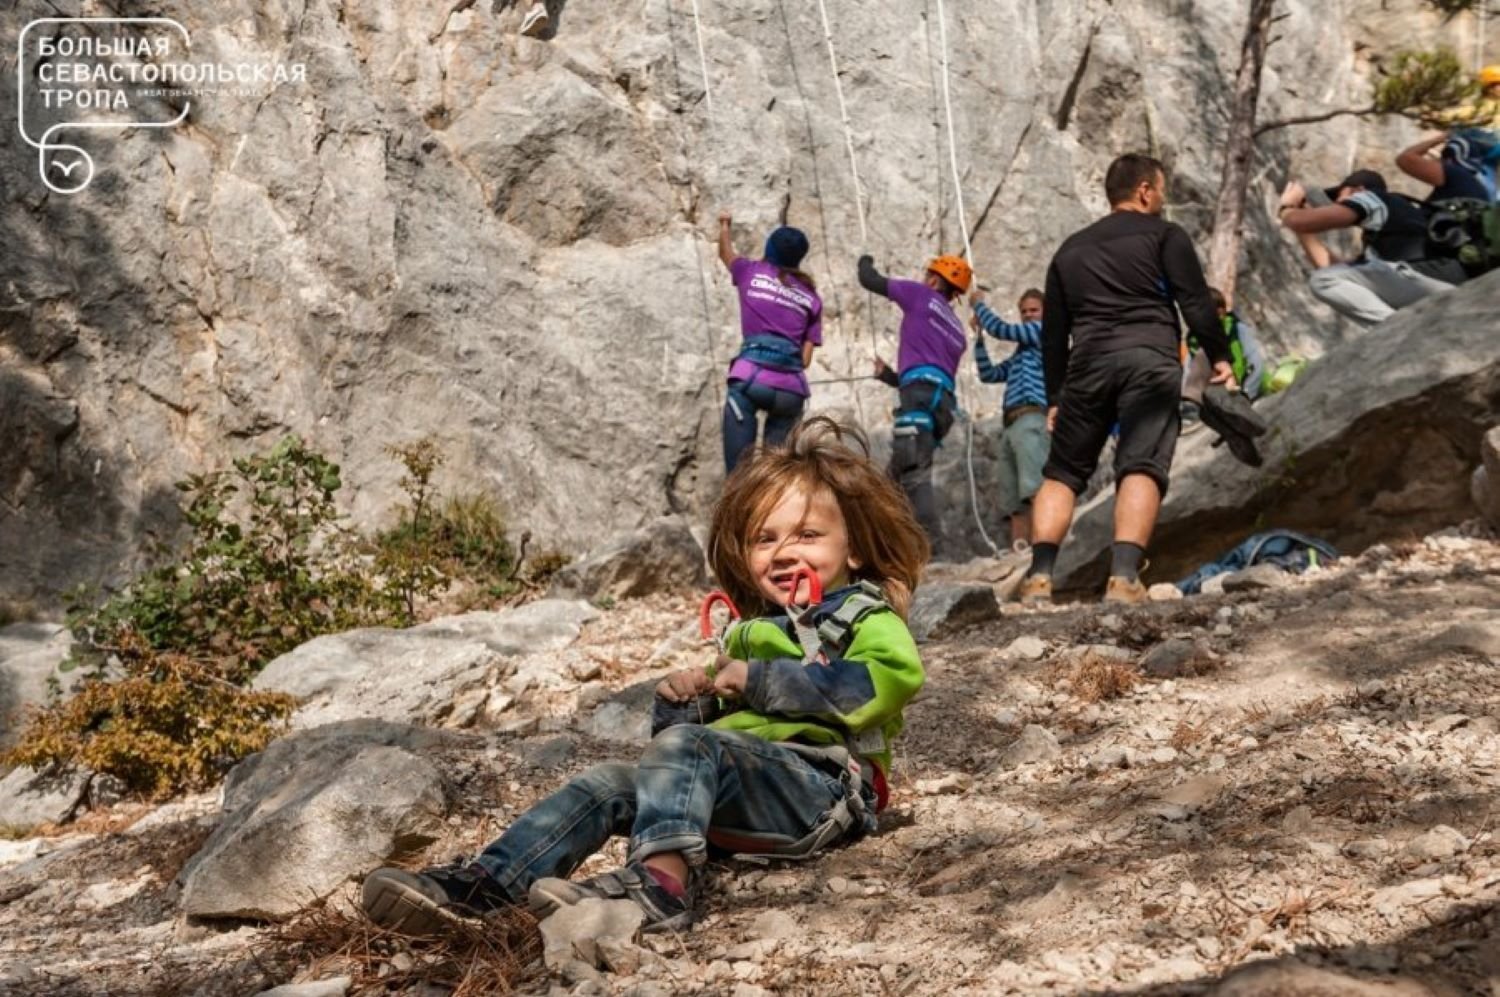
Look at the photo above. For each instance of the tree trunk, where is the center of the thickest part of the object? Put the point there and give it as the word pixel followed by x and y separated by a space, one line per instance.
pixel 1239 150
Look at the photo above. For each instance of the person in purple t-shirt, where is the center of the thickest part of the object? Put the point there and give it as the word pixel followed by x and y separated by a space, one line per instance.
pixel 781 319
pixel 932 345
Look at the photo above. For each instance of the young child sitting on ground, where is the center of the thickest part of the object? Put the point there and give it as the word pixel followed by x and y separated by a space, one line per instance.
pixel 801 760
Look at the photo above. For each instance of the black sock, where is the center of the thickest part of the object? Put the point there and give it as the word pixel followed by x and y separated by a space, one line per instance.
pixel 1125 560
pixel 1043 557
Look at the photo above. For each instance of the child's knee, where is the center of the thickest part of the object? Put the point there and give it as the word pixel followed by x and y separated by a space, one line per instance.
pixel 609 779
pixel 680 739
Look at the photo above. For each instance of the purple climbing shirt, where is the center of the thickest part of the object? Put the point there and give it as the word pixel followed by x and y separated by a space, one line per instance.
pixel 769 306
pixel 931 332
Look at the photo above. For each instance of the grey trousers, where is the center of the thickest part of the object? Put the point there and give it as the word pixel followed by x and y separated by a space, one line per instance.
pixel 1370 292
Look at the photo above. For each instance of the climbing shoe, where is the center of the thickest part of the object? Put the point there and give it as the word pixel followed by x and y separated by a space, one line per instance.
pixel 431 901
pixel 1035 590
pixel 1124 591
pixel 1227 412
pixel 634 882
pixel 1244 449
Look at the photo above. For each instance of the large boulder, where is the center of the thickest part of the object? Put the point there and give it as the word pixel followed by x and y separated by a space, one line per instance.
pixel 1485 484
pixel 662 556
pixel 938 610
pixel 29 656
pixel 310 812
pixel 29 797
pixel 1374 441
pixel 421 673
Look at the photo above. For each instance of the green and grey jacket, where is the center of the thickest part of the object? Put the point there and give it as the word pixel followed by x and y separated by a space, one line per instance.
pixel 854 699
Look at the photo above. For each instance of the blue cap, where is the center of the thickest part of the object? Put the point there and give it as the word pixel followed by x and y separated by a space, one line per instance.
pixel 786 246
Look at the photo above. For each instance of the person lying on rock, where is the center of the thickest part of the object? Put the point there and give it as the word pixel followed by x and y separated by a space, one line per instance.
pixel 798 764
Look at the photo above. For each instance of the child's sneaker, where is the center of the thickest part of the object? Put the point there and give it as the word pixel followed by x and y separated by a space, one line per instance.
pixel 430 901
pixel 634 882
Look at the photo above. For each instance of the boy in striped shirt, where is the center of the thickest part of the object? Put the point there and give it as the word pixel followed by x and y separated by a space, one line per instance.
pixel 1025 442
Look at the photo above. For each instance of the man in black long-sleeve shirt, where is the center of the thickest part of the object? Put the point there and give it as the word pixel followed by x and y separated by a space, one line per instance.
pixel 1110 352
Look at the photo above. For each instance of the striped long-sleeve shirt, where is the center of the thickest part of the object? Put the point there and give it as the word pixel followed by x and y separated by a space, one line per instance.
pixel 1022 373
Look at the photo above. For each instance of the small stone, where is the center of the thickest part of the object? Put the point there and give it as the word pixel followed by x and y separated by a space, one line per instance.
pixel 1248 743
pixel 1217 762
pixel 589 931
pixel 1164 592
pixel 1256 578
pixel 584 670
pixel 1223 630
pixel 1117 757
pixel 951 784
pixel 1209 947
pixel 838 884
pixel 1036 744
pixel 334 986
pixel 1298 820
pixel 775 924
pixel 1026 648
pixel 1214 586
pixel 1441 842
pixel 1164 756
pixel 1366 848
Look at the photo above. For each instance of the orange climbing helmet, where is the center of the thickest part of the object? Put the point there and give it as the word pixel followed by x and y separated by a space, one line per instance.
pixel 1489 75
pixel 954 269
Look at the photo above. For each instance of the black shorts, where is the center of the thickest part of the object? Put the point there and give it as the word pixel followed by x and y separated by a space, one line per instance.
pixel 1140 389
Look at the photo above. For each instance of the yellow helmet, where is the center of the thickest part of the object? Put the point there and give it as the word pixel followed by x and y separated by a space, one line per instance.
pixel 1489 75
pixel 954 269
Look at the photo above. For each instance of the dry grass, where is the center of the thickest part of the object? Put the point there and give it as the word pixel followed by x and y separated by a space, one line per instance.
pixel 492 956
pixel 1094 677
pixel 1189 732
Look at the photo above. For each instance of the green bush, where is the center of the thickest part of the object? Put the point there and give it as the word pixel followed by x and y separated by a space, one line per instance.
pixel 268 565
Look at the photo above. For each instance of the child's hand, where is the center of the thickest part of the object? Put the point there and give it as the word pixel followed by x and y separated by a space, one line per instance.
pixel 731 678
pixel 683 686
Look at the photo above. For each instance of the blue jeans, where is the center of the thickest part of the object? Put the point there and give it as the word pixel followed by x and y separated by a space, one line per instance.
pixel 689 779
pixel 742 407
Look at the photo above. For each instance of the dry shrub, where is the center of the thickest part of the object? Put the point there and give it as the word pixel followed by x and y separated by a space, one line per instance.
pixel 1094 676
pixel 476 958
pixel 1188 733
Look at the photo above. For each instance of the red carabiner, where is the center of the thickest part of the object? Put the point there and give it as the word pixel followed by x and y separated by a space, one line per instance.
pixel 814 589
pixel 706 627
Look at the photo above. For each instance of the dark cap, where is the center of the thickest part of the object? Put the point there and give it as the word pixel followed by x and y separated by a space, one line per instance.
pixel 1368 179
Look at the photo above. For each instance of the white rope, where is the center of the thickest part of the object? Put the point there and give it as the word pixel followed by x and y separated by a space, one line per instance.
pixel 963 224
pixel 859 187
pixel 838 89
pixel 708 97
pixel 705 280
pixel 1479 39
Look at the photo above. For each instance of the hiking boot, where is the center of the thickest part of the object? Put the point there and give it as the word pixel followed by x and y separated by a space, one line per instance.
pixel 1244 449
pixel 1035 590
pixel 1227 412
pixel 1124 591
pixel 536 20
pixel 634 882
pixel 431 901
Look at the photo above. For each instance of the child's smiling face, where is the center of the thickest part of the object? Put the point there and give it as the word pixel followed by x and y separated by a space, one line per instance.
pixel 802 532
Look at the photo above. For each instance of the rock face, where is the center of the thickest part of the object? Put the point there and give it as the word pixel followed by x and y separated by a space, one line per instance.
pixel 1374 441
pixel 29 656
pixel 1485 484
pixel 422 673
pixel 663 556
pixel 503 241
pixel 309 812
pixel 29 798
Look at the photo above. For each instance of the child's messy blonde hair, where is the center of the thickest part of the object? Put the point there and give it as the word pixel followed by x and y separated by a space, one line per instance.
pixel 820 454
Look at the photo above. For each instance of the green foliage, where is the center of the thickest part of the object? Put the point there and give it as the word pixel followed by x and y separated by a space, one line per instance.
pixel 1424 84
pixel 159 722
pixel 269 565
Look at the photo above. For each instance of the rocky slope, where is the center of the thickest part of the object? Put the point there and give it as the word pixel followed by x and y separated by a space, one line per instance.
pixel 450 229
pixel 1287 789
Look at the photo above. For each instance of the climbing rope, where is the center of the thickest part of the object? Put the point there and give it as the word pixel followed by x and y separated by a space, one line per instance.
pixel 859 188
pixel 963 225
pixel 704 280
